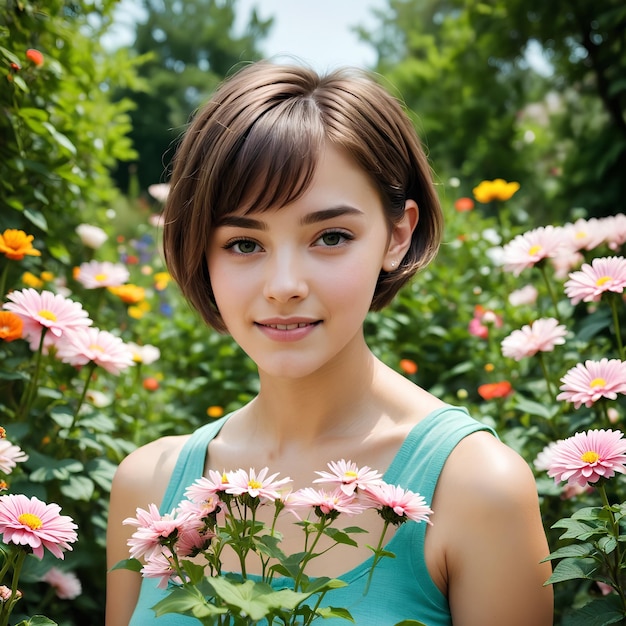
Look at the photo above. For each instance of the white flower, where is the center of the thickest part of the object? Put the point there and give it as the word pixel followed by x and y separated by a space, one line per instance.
pixel 91 236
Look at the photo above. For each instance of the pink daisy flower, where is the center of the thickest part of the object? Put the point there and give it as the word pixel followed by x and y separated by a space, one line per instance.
pixel 65 584
pixel 584 234
pixel 47 310
pixel 524 295
pixel 603 275
pixel 348 477
pixel 33 523
pixel 256 486
pixel 153 530
pixel 324 503
pixel 159 565
pixel 586 384
pixel 564 261
pixel 10 455
pixel 96 274
pixel 97 346
pixel 531 247
pixel 540 336
pixel 205 489
pixel 397 505
pixel 615 230
pixel 544 458
pixel 587 457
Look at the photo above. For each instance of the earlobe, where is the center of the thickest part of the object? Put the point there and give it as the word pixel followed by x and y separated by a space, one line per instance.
pixel 400 236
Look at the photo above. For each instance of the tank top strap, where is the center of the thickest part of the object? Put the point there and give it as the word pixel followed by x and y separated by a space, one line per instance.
pixel 421 458
pixel 190 463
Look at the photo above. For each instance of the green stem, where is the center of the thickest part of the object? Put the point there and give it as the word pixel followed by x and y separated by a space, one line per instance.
pixel 31 388
pixel 9 604
pixel 3 279
pixel 546 278
pixel 616 327
pixel 615 558
pixel 544 369
pixel 90 368
pixel 377 557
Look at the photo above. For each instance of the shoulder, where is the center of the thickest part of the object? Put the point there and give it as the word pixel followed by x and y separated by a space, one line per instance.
pixel 147 470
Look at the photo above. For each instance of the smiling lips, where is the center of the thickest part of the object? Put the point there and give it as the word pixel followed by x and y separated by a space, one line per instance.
pixel 287 331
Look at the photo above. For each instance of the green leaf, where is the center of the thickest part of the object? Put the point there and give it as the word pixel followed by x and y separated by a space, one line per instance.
pixel 410 622
pixel 134 565
pixel 101 471
pixel 577 530
pixel 78 488
pixel 572 569
pixel 599 612
pixel 187 601
pixel 340 537
pixel 51 469
pixel 37 620
pixel 63 416
pixel 575 550
pixel 332 611
pixel 60 138
pixel 37 218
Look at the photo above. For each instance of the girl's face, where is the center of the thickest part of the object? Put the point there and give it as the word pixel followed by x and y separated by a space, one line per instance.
pixel 293 285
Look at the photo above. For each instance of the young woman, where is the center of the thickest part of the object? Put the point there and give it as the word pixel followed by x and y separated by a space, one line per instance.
pixel 298 203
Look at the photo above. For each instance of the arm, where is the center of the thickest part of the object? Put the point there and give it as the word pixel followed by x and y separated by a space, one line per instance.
pixel 140 480
pixel 494 537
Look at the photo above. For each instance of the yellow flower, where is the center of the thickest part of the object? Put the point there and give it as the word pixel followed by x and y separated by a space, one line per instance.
pixel 498 189
pixel 28 278
pixel 161 280
pixel 47 276
pixel 215 411
pixel 15 244
pixel 130 294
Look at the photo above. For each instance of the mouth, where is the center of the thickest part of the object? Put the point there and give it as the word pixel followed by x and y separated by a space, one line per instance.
pixel 289 326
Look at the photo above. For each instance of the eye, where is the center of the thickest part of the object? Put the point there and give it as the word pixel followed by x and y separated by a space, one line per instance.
pixel 243 246
pixel 333 238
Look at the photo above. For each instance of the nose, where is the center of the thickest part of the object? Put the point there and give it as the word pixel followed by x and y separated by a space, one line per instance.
pixel 285 279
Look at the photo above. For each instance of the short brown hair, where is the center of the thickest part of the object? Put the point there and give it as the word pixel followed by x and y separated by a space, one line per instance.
pixel 254 146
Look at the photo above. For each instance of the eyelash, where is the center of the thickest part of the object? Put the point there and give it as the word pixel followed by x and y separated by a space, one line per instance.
pixel 344 235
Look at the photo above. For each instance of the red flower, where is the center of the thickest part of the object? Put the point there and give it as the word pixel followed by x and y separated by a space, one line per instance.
pixel 464 204
pixel 408 367
pixel 35 56
pixel 150 384
pixel 491 391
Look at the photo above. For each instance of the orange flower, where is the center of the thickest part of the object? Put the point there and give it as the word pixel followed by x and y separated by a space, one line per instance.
pixel 408 367
pixel 28 278
pixel 35 56
pixel 215 411
pixel 150 384
pixel 491 391
pixel 464 204
pixel 130 294
pixel 11 326
pixel 15 244
pixel 497 189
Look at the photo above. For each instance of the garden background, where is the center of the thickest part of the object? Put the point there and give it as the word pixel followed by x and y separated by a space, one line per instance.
pixel 86 133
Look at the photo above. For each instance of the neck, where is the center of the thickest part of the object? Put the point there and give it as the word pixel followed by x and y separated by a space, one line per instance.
pixel 331 402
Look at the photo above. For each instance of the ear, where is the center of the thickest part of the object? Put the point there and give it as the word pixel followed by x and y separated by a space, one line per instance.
pixel 400 237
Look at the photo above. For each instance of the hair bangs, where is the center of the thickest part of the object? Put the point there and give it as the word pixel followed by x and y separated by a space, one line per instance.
pixel 275 161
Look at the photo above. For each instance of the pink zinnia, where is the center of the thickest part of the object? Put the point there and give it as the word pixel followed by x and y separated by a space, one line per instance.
pixel 584 234
pixel 33 523
pixel 96 274
pixel 586 384
pixel 10 455
pixel 96 346
pixel 47 310
pixel 324 503
pixel 587 457
pixel 615 230
pixel 256 485
pixel 540 336
pixel 524 295
pixel 603 275
pixel 66 584
pixel 531 247
pixel 348 477
pixel 159 565
pixel 153 530
pixel 397 505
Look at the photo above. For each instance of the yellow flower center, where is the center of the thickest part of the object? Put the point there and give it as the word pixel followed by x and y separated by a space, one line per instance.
pixel 48 315
pixel 254 484
pixel 100 277
pixel 350 474
pixel 597 382
pixel 590 457
pixel 96 348
pixel 603 280
pixel 534 250
pixel 30 520
pixel 224 478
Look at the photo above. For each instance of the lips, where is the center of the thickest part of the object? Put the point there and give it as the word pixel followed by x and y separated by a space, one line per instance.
pixel 287 330
pixel 287 326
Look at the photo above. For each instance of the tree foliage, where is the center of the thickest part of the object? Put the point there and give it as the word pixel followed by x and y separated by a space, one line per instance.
pixel 182 70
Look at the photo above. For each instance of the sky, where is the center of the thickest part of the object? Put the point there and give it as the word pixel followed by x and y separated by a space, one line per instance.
pixel 315 32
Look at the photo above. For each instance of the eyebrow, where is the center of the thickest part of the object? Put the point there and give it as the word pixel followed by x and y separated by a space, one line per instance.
pixel 241 221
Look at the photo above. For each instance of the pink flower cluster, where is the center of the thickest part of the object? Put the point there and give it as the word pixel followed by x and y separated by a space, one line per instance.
pixel 199 521
pixel 540 336
pixel 65 327
pixel 481 322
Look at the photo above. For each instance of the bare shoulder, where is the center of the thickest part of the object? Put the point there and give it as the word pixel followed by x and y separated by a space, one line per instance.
pixel 147 470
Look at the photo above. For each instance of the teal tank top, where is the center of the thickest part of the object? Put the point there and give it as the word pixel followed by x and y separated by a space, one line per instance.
pixel 401 587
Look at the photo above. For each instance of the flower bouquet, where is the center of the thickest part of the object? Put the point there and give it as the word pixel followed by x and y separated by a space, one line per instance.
pixel 184 549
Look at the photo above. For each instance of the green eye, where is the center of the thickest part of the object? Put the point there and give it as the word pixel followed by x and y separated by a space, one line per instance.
pixel 246 247
pixel 332 238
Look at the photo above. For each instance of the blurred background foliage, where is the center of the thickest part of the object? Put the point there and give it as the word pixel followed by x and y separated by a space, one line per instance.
pixel 529 91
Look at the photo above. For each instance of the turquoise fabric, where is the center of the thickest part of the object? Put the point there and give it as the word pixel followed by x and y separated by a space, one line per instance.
pixel 401 587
